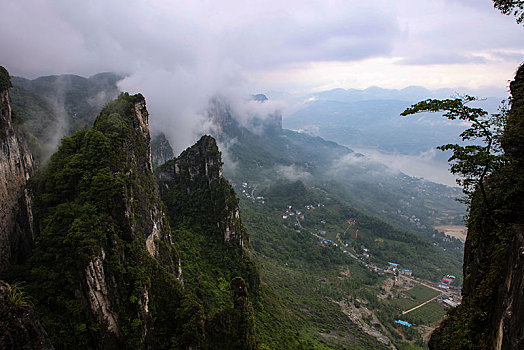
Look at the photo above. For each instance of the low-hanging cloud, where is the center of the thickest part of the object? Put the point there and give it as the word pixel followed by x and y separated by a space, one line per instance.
pixel 377 163
pixel 292 172
pixel 180 54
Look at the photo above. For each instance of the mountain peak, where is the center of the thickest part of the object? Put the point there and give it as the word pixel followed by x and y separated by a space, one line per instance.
pixel 195 177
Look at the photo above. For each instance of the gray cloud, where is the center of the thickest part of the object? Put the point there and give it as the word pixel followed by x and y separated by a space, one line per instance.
pixel 292 172
pixel 443 58
pixel 509 56
pixel 179 54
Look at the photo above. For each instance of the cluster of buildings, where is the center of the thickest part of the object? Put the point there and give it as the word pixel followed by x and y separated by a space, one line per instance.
pixel 291 212
pixel 247 192
pixel 328 241
pixel 447 301
pixel 393 268
pixel 446 281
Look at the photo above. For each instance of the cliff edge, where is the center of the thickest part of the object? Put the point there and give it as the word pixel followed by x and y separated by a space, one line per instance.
pixel 16 166
pixel 491 315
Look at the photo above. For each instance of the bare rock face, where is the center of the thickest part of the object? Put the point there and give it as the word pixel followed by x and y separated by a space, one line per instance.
pixel 16 166
pixel 98 293
pixel 161 150
pixel 19 327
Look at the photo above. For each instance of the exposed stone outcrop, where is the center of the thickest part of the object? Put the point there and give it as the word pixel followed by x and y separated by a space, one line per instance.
pixel 16 166
pixel 161 150
pixel 98 294
pixel 19 327
pixel 193 181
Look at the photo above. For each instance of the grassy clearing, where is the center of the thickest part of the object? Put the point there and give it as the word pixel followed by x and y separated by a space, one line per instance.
pixel 413 297
pixel 426 315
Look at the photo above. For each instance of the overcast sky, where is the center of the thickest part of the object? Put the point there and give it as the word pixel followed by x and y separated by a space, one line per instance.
pixel 268 45
pixel 186 51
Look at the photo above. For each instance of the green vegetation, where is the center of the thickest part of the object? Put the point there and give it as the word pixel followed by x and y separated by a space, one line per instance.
pixel 386 242
pixel 96 203
pixel 16 295
pixel 304 274
pixel 427 314
pixel 413 297
pixel 473 163
pixel 511 7
pixel 92 209
pixel 201 206
pixel 309 278
pixel 494 214
pixel 5 79
pixel 51 107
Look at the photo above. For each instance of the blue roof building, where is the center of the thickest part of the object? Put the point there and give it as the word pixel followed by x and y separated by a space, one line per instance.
pixel 404 323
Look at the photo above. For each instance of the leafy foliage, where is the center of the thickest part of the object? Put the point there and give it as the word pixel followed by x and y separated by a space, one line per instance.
pixel 491 248
pixel 92 203
pixel 472 162
pixel 511 7
pixel 5 79
pixel 17 296
pixel 202 208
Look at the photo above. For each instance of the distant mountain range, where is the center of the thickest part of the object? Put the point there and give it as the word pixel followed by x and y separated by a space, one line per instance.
pixel 371 118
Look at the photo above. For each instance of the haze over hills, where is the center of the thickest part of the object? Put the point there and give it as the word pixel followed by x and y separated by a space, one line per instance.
pixel 394 216
pixel 369 121
pixel 318 214
pixel 219 218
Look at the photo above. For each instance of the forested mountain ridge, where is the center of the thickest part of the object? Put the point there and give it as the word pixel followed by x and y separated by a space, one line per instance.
pixel 105 272
pixel 51 107
pixel 261 152
pixel 214 245
pixel 102 225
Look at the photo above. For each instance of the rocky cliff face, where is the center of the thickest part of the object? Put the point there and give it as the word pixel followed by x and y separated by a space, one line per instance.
pixel 193 187
pixel 161 150
pixel 105 268
pixel 491 315
pixel 16 166
pixel 19 327
pixel 204 213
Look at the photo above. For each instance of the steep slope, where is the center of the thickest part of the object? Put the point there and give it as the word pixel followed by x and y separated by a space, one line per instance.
pixel 54 106
pixel 264 155
pixel 16 166
pixel 491 314
pixel 195 177
pixel 19 326
pixel 214 245
pixel 105 273
pixel 161 150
